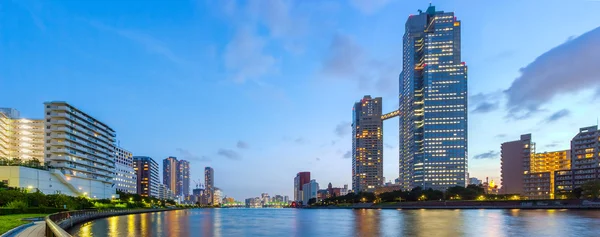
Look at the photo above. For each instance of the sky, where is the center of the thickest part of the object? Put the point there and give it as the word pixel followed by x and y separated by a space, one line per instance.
pixel 262 89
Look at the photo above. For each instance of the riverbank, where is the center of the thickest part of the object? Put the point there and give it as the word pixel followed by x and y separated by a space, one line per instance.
pixel 534 204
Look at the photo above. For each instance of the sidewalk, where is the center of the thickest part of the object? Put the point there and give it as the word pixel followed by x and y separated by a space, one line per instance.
pixel 36 230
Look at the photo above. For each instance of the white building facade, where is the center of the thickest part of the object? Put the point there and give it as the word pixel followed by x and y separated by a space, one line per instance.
pixel 125 178
pixel 309 190
pixel 20 138
pixel 81 148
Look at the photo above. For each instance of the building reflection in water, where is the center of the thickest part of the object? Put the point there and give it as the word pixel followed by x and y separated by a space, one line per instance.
pixel 367 222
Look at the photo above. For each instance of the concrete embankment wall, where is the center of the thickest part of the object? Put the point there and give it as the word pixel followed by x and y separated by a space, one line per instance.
pixel 66 220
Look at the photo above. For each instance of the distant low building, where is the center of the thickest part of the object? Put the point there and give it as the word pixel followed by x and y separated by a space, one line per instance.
pixel 388 188
pixel 309 190
pixel 475 181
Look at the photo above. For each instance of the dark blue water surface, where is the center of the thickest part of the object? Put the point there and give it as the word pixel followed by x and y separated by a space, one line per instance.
pixel 345 222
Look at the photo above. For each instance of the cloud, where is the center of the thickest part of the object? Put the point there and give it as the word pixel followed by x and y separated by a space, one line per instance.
pixel 500 135
pixel 300 140
pixel 318 159
pixel 567 68
pixel 242 145
pixel 187 155
pixel 557 115
pixel 229 154
pixel 369 6
pixel 485 102
pixel 347 155
pixel 342 129
pixel 245 57
pixel 150 43
pixel 487 155
pixel 389 146
pixel 347 60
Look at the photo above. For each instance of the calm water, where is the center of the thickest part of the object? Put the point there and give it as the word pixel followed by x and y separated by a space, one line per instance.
pixel 321 222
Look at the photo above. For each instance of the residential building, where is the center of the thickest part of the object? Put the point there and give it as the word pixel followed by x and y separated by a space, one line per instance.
pixel 585 162
pixel 585 151
pixel 433 103
pixel 125 178
pixel 217 196
pixel 367 145
pixel 183 181
pixel 146 169
pixel 21 138
pixel 299 181
pixel 209 183
pixel 309 190
pixel 286 199
pixel 170 173
pixel 81 148
pixel 515 159
pixel 344 191
pixel 538 180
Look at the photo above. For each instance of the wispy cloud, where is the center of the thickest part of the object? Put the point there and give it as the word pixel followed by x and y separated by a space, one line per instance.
pixel 342 129
pixel 245 57
pixel 229 154
pixel 189 156
pixel 242 145
pixel 487 155
pixel 148 42
pixel 557 115
pixel 485 102
pixel 567 68
pixel 347 155
pixel 318 159
pixel 347 60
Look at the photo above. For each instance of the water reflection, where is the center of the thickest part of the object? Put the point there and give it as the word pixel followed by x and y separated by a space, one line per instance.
pixel 342 222
pixel 366 222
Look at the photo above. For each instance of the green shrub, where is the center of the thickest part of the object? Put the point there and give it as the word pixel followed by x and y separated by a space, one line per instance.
pixel 17 204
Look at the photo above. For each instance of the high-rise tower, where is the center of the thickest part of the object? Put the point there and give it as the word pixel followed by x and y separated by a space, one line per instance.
pixel 367 145
pixel 209 182
pixel 170 174
pixel 433 103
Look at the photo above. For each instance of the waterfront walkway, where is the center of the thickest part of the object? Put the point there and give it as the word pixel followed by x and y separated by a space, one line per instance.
pixel 38 229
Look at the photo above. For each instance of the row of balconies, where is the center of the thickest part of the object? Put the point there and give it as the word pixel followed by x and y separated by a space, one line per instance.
pixel 77 144
pixel 68 152
pixel 88 163
pixel 82 129
pixel 68 127
pixel 83 118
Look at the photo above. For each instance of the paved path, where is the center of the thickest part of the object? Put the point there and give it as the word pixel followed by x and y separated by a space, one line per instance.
pixel 36 230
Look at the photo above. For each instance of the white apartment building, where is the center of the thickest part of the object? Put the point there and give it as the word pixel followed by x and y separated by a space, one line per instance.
pixel 125 178
pixel 81 148
pixel 20 138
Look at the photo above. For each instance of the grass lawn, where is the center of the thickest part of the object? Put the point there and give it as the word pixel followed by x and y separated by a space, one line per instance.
pixel 11 221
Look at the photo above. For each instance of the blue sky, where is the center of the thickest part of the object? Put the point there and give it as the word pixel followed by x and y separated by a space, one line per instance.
pixel 261 90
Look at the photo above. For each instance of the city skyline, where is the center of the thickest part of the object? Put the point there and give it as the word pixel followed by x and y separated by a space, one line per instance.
pixel 172 69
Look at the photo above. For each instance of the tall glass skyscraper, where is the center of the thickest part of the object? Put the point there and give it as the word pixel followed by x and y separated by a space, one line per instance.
pixel 433 103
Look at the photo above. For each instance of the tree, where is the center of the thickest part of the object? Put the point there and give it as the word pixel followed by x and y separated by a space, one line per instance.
pixel 591 189
pixel 312 201
pixel 577 193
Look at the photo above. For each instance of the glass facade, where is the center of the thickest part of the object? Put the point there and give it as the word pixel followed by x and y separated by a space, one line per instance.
pixel 433 103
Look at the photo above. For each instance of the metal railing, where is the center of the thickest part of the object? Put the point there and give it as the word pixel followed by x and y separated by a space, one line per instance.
pixel 58 222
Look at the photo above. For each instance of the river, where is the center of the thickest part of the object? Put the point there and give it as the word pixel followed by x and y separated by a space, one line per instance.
pixel 346 222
